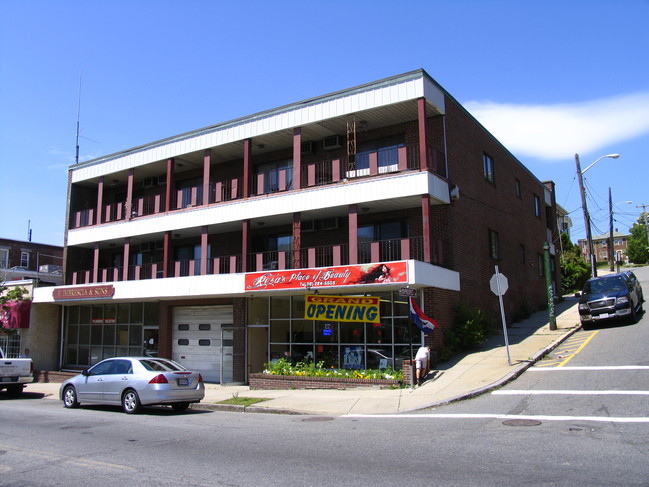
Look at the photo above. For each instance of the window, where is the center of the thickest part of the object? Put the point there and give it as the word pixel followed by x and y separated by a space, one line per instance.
pixel 271 176
pixel 24 259
pixel 541 265
pixel 537 206
pixel 488 165
pixel 517 187
pixel 521 254
pixel 494 246
pixel 4 258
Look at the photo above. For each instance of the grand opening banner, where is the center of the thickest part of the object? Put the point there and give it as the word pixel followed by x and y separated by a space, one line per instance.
pixel 342 308
pixel 350 275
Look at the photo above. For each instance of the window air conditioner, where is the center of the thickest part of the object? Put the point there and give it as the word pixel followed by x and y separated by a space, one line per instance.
pixel 333 142
pixel 308 147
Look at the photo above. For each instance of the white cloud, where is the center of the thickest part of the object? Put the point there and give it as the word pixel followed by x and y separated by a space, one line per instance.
pixel 561 130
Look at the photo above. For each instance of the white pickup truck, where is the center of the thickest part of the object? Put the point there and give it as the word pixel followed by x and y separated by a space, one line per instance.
pixel 15 373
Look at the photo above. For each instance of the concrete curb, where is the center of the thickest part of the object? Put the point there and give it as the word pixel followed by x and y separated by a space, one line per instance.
pixel 501 382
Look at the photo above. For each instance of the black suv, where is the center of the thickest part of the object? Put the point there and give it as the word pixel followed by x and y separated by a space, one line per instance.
pixel 610 297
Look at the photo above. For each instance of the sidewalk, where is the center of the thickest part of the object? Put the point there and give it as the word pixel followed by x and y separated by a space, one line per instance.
pixel 465 377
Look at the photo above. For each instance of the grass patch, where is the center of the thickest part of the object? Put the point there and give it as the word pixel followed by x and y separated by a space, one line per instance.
pixel 242 401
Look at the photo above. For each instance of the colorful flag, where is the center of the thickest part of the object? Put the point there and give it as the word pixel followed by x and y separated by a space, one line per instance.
pixel 424 323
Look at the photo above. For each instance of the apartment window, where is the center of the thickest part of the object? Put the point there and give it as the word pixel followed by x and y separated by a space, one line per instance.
pixel 4 258
pixel 494 246
pixel 272 177
pixel 517 187
pixel 24 260
pixel 488 165
pixel 537 206
pixel 541 264
pixel 521 254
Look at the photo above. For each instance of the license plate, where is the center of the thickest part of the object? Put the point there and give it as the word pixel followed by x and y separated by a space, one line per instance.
pixel 602 316
pixel 183 382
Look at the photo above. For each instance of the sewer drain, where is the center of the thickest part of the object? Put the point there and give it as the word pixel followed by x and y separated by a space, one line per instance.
pixel 319 418
pixel 521 422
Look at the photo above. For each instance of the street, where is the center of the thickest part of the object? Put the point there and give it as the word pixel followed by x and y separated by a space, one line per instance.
pixel 578 417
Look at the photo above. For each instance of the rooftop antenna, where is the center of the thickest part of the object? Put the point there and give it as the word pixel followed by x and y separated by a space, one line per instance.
pixel 76 159
pixel 29 230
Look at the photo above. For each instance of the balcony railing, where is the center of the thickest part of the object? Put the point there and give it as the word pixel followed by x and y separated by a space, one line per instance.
pixel 321 256
pixel 329 171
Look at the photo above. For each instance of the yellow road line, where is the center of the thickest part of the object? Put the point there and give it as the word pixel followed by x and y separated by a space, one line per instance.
pixel 578 349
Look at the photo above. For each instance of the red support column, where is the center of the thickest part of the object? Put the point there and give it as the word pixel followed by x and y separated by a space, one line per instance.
pixel 170 185
pixel 95 264
pixel 423 143
pixel 247 167
pixel 166 249
pixel 129 194
pixel 425 220
pixel 297 156
pixel 127 245
pixel 353 234
pixel 100 199
pixel 245 230
pixel 204 250
pixel 207 162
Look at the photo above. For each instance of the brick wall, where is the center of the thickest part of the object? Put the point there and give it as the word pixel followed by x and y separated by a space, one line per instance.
pixel 285 382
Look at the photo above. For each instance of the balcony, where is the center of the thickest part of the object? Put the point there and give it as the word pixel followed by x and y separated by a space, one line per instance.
pixel 321 256
pixel 320 173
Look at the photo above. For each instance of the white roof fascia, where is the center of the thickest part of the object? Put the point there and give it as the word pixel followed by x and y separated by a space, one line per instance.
pixel 374 95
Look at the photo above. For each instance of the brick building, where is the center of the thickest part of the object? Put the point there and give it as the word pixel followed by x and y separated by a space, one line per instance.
pixel 602 246
pixel 30 265
pixel 206 247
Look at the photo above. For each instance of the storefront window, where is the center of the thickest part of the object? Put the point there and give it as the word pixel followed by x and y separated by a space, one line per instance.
pixel 341 344
pixel 93 335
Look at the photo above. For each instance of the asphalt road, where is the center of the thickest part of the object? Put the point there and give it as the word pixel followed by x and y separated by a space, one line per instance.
pixel 580 417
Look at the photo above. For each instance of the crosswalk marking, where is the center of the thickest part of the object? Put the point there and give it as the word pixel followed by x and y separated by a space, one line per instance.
pixel 601 419
pixel 507 392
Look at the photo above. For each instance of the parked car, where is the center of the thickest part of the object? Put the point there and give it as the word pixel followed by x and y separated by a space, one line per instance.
pixel 633 278
pixel 610 297
pixel 133 382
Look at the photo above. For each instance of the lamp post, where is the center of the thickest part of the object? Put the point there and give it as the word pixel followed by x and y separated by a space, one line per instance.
pixel 582 191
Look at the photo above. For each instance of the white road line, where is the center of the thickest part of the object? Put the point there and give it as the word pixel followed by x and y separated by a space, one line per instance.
pixel 569 369
pixel 521 392
pixel 601 419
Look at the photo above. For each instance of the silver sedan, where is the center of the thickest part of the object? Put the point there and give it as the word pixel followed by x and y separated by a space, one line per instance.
pixel 133 382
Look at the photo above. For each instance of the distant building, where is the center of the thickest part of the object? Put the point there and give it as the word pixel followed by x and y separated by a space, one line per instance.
pixel 602 247
pixel 564 222
pixel 218 247
pixel 31 265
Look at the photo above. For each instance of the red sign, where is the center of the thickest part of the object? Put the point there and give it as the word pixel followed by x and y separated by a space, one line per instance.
pixel 351 275
pixel 84 292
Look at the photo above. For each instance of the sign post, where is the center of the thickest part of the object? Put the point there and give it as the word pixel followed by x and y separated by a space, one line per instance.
pixel 499 286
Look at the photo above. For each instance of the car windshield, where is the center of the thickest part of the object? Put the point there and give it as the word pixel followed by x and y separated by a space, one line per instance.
pixel 606 284
pixel 160 365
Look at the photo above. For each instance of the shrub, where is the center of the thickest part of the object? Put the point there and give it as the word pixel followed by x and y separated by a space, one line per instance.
pixel 472 326
pixel 311 369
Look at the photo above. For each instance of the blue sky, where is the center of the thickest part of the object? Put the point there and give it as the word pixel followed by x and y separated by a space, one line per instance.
pixel 548 78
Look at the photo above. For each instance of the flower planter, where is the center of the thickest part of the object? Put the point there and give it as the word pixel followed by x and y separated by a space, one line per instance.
pixel 284 382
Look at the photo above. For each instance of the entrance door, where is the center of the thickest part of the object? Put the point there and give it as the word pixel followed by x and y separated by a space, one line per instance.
pixel 202 340
pixel 257 348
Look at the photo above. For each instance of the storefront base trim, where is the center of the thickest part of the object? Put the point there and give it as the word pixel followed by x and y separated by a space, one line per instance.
pixel 287 382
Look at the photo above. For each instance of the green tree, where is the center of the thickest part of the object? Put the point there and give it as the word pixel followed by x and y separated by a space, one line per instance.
pixel 637 251
pixel 575 270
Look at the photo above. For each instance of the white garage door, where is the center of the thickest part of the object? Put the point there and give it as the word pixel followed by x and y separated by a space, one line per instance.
pixel 202 340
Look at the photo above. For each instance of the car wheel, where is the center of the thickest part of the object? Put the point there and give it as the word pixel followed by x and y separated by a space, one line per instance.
pixel 70 397
pixel 634 314
pixel 586 326
pixel 131 402
pixel 180 406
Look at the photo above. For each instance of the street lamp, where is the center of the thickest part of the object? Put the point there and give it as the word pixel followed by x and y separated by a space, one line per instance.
pixel 582 190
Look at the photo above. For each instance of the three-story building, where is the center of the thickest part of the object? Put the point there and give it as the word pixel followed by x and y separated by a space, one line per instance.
pixel 204 247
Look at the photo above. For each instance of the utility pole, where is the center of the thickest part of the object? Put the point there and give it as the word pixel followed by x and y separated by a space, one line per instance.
pixel 611 242
pixel 589 237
